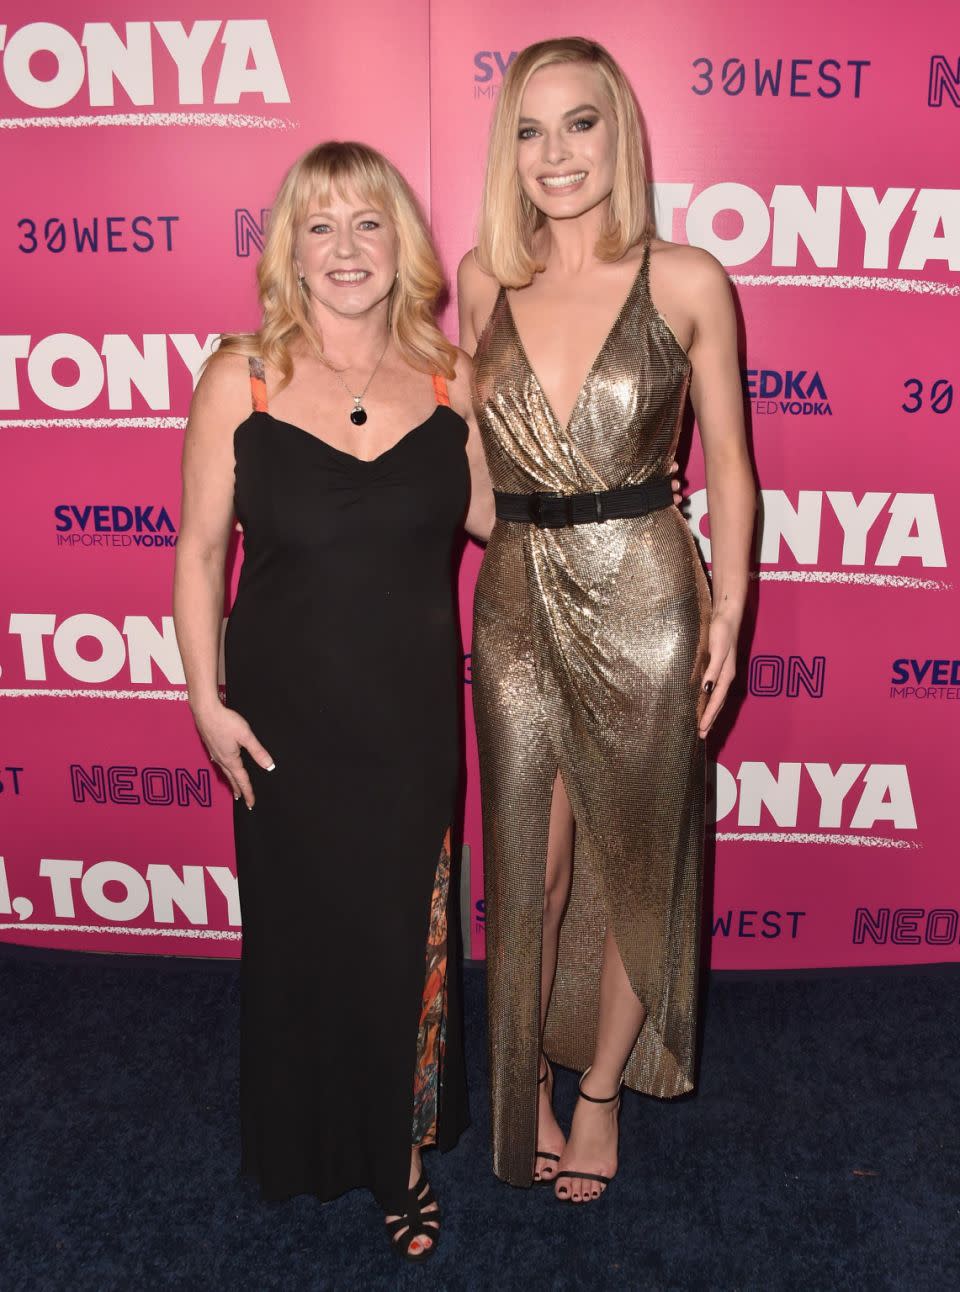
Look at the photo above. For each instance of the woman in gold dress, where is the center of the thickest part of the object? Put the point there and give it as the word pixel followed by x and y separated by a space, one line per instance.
pixel 599 661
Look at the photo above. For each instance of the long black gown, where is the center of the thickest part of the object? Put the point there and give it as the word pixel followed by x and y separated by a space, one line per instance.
pixel 343 653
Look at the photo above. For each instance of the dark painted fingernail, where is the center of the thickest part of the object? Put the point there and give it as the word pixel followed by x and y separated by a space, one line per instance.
pixel 708 687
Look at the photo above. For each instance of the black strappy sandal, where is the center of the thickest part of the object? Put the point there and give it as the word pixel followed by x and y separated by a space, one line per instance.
pixel 548 1157
pixel 605 1180
pixel 416 1222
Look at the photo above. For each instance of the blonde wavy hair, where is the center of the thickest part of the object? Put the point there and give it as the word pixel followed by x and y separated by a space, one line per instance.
pixel 354 168
pixel 508 218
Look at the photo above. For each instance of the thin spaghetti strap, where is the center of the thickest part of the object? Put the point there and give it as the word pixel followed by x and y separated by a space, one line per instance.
pixel 440 390
pixel 258 385
pixel 645 265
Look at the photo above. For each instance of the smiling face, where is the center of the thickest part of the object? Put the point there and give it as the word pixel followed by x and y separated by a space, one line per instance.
pixel 346 251
pixel 566 140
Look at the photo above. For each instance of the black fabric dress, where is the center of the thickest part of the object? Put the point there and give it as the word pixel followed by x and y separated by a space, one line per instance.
pixel 343 653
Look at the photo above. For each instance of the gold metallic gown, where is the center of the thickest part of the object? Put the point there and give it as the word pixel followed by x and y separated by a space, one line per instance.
pixel 588 649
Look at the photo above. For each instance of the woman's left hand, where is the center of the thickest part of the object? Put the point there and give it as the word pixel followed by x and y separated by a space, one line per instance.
pixel 720 671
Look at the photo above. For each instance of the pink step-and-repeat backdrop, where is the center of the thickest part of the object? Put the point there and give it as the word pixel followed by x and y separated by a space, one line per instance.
pixel 813 151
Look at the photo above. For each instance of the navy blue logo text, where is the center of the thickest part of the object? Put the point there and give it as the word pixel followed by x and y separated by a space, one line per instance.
pixel 938 398
pixel 793 393
pixel 155 786
pixel 109 233
pixel 795 78
pixel 925 679
pixel 114 525
pixel 757 924
pixel 943 78
pixel 487 62
pixel 489 68
pixel 907 926
pixel 249 232
pixel 10 780
pixel 772 675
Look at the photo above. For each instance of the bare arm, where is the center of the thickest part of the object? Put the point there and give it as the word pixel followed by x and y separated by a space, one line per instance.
pixel 476 296
pixel 717 398
pixel 480 513
pixel 219 405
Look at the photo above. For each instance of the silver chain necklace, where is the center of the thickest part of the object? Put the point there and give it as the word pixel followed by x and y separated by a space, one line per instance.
pixel 358 414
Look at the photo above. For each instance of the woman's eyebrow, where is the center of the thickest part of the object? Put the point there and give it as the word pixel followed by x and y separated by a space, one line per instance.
pixel 367 210
pixel 571 112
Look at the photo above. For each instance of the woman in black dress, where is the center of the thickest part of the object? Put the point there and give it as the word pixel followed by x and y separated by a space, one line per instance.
pixel 340 435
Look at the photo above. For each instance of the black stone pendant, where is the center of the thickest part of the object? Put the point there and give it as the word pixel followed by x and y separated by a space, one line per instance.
pixel 358 416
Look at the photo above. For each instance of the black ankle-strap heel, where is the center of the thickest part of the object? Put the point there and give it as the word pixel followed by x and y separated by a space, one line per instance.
pixel 547 1157
pixel 416 1222
pixel 605 1180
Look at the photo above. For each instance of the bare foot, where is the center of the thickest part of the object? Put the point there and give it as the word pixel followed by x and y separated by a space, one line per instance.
pixel 549 1135
pixel 421 1243
pixel 592 1146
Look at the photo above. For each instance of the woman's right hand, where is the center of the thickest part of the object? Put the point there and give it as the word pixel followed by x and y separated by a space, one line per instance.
pixel 675 483
pixel 225 733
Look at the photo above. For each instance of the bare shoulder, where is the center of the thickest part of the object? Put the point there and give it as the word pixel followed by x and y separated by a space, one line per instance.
pixel 223 391
pixel 223 373
pixel 469 273
pixel 474 284
pixel 691 290
pixel 687 272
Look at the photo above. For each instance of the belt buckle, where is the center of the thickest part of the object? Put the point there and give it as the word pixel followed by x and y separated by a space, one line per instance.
pixel 551 510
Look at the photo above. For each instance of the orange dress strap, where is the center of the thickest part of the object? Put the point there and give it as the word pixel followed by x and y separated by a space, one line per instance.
pixel 258 385
pixel 440 390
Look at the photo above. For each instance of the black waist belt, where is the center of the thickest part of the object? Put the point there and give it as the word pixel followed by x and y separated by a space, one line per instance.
pixel 556 510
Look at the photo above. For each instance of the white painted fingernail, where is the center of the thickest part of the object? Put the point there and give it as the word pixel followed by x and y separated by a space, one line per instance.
pixel 249 807
pixel 236 798
pixel 272 767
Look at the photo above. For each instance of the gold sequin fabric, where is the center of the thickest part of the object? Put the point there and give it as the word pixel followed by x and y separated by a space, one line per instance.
pixel 588 649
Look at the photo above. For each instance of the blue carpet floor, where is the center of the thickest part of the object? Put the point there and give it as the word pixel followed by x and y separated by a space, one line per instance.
pixel 821 1152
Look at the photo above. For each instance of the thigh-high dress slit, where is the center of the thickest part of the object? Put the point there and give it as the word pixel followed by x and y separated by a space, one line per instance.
pixel 588 651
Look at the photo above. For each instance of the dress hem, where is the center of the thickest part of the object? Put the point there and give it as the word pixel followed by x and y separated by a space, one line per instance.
pixel 307 1190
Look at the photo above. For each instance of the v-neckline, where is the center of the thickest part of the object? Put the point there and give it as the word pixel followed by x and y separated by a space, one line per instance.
pixel 565 429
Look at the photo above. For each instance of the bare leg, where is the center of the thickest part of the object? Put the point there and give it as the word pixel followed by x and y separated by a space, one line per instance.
pixel 556 893
pixel 420 1243
pixel 622 1016
pixel 592 1146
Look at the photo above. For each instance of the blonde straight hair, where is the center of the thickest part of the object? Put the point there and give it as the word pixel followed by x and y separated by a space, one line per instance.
pixel 357 169
pixel 508 219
